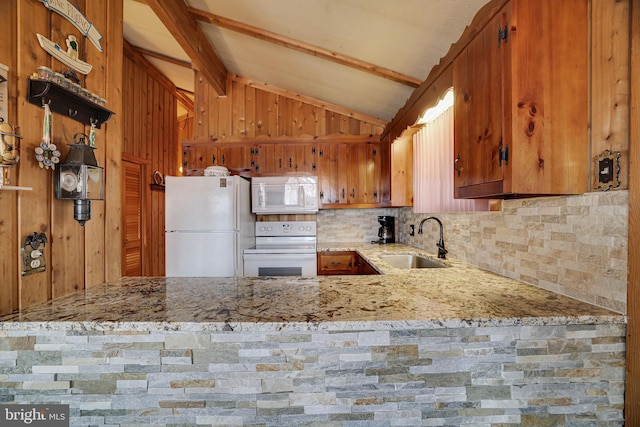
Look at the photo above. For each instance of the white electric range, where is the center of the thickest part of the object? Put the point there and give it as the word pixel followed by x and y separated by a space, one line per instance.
pixel 282 249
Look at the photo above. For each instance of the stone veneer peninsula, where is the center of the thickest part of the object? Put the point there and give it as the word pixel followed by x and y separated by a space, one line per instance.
pixel 446 346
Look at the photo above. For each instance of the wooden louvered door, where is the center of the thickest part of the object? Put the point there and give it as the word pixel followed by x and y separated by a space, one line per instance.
pixel 133 214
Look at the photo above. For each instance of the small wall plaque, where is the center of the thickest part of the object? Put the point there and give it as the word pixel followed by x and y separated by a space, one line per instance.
pixel 33 254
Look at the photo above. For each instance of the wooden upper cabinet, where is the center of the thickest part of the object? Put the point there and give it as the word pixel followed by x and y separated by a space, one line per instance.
pixel 402 170
pixel 521 103
pixel 353 174
pixel 356 173
pixel 198 154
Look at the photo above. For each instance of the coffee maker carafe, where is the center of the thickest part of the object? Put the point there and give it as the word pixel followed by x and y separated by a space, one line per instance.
pixel 386 232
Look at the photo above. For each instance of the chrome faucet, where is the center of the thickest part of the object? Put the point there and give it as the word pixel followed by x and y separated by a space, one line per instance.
pixel 442 252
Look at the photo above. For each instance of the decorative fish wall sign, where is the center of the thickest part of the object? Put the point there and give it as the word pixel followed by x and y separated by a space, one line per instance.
pixel 73 15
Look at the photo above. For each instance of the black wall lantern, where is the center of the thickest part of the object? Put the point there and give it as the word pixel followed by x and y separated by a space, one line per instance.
pixel 80 178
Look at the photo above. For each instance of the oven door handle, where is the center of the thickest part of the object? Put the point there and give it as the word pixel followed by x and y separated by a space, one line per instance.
pixel 301 195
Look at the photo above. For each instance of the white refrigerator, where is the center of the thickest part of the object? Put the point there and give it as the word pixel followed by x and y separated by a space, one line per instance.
pixel 208 225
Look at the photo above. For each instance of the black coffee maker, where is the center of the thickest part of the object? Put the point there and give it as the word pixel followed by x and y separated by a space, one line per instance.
pixel 387 230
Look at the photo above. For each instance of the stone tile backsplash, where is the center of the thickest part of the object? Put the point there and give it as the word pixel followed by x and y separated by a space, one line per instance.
pixel 572 245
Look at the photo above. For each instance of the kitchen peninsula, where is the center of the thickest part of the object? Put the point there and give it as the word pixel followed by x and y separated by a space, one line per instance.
pixel 441 346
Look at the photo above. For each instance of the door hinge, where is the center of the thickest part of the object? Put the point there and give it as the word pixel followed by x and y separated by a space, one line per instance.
pixel 503 34
pixel 503 155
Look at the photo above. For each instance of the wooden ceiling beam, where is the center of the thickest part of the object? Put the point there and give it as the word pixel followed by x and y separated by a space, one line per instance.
pixel 185 29
pixel 309 49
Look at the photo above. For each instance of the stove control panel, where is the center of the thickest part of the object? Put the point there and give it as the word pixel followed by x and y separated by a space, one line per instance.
pixel 293 228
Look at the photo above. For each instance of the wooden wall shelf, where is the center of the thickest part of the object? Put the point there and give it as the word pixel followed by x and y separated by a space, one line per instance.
pixel 67 103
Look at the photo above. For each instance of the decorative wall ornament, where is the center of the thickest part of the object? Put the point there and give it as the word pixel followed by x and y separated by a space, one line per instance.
pixel 33 253
pixel 73 15
pixel 68 57
pixel 9 151
pixel 47 154
pixel 608 170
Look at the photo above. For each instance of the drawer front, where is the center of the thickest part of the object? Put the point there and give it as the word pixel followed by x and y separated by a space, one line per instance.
pixel 335 263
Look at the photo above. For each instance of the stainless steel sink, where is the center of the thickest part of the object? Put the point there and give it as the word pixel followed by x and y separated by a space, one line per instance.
pixel 412 261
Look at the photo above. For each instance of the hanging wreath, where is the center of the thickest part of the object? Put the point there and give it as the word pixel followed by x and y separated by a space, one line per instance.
pixel 47 155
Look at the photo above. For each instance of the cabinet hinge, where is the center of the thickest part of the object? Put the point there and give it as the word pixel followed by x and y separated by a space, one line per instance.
pixel 503 155
pixel 503 34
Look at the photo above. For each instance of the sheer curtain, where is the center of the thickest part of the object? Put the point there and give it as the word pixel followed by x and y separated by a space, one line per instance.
pixel 433 169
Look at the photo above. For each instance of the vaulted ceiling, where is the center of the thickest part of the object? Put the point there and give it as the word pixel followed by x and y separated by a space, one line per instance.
pixel 364 55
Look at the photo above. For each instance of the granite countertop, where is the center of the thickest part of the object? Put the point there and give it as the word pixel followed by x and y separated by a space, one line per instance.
pixel 458 296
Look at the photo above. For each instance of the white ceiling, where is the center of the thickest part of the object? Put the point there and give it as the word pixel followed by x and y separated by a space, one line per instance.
pixel 406 36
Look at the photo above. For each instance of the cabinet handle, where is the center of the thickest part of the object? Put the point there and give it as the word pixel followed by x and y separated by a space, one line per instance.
pixel 336 262
pixel 223 162
pixel 343 196
pixel 503 155
pixel 290 163
pixel 503 33
pixel 321 195
pixel 280 163
pixel 353 193
pixel 213 159
pixel 455 164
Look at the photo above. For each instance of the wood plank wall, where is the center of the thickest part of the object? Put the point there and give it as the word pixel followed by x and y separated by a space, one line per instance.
pixel 75 255
pixel 250 111
pixel 151 132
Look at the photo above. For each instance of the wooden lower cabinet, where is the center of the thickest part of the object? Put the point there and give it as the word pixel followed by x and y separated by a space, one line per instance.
pixel 343 262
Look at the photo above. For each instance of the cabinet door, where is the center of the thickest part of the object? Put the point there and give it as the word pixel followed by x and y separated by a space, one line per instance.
pixel 485 106
pixel 478 76
pixel 195 158
pixel 332 173
pixel 365 185
pixel 233 156
pixel 263 159
pixel 338 262
pixel 295 158
pixel 402 171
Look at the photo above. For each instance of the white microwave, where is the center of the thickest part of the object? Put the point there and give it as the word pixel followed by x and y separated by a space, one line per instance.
pixel 284 194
